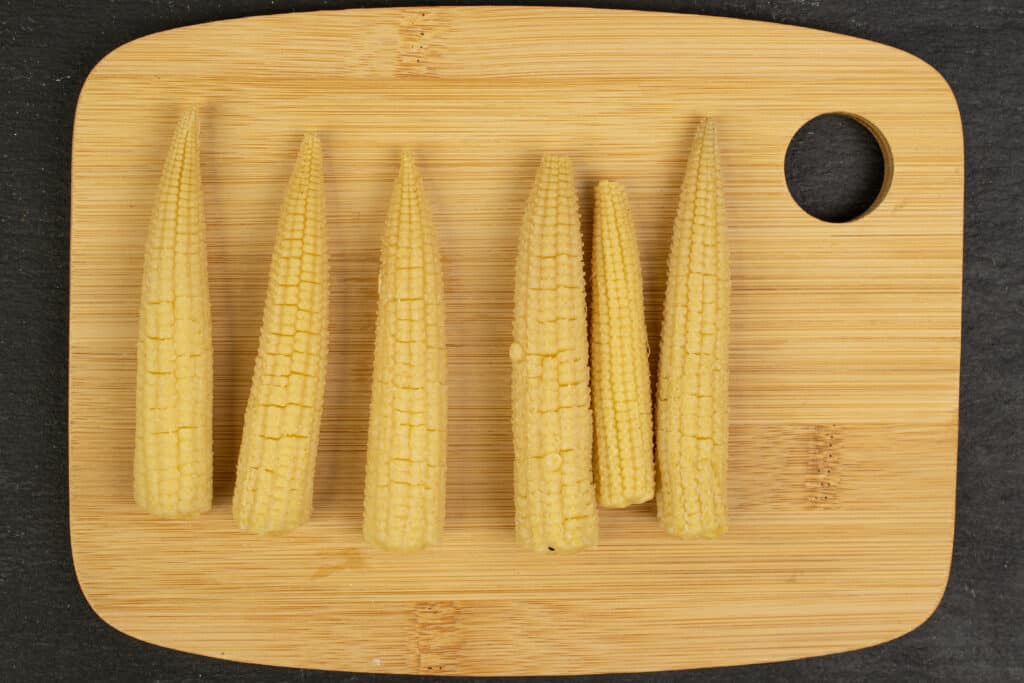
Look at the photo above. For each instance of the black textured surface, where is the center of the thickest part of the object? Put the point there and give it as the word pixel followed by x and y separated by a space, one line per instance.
pixel 49 633
pixel 834 168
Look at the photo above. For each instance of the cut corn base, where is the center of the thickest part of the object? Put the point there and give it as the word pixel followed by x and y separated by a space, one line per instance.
pixel 280 436
pixel 404 499
pixel 555 506
pixel 621 384
pixel 692 422
pixel 173 462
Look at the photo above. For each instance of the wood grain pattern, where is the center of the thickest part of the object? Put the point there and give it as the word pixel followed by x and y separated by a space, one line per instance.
pixel 845 350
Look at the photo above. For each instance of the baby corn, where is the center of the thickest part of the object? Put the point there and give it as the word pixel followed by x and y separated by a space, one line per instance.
pixel 174 374
pixel 551 420
pixel 405 457
pixel 274 482
pixel 692 419
pixel 623 431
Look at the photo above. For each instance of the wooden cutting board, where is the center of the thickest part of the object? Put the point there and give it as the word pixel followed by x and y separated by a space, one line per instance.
pixel 845 354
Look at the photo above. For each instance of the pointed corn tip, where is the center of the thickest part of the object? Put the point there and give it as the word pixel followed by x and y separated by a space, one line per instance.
pixel 184 145
pixel 609 188
pixel 189 121
pixel 705 140
pixel 309 157
pixel 187 129
pixel 406 161
pixel 707 131
pixel 556 161
pixel 408 171
pixel 310 144
pixel 555 168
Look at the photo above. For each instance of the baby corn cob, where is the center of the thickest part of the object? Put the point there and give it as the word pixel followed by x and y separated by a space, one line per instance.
pixel 174 386
pixel 405 456
pixel 693 375
pixel 623 431
pixel 551 420
pixel 274 482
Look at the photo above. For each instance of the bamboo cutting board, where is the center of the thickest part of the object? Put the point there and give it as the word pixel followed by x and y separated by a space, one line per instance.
pixel 845 351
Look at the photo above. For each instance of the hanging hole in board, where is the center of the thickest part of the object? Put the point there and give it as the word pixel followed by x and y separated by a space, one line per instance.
pixel 837 167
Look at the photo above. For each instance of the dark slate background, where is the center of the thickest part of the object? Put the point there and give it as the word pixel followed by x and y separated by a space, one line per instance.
pixel 47 47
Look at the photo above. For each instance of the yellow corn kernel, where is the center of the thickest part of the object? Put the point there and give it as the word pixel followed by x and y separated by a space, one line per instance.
pixel 173 468
pixel 551 420
pixel 274 481
pixel 405 457
pixel 623 430
pixel 692 413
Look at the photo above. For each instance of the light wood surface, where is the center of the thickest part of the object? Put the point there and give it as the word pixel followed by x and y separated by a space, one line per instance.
pixel 845 350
